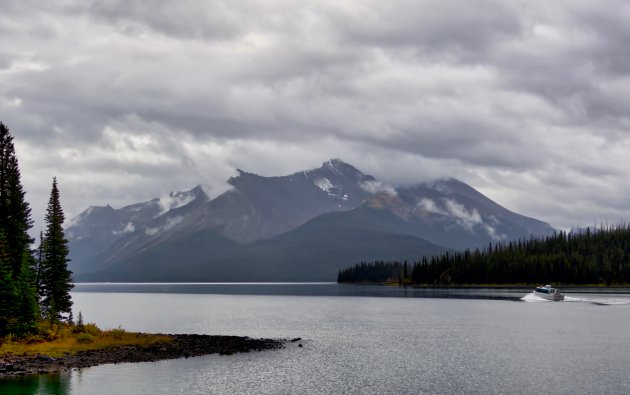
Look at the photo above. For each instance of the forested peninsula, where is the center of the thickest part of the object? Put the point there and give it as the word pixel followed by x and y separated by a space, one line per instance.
pixel 591 257
pixel 38 333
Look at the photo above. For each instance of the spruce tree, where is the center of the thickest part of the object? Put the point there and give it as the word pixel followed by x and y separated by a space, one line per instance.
pixel 8 294
pixel 27 309
pixel 21 312
pixel 38 267
pixel 15 213
pixel 55 281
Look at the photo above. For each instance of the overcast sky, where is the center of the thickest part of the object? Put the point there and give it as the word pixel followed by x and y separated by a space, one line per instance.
pixel 125 100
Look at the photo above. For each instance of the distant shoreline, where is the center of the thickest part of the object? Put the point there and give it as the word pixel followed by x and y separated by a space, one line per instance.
pixel 181 346
pixel 592 287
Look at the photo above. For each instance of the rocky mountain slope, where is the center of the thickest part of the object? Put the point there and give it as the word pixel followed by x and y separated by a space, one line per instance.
pixel 300 227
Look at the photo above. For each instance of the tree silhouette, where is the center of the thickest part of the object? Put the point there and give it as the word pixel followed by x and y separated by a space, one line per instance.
pixel 601 256
pixel 55 282
pixel 21 314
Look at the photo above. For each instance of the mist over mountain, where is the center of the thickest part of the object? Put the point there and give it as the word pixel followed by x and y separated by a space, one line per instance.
pixel 453 214
pixel 300 227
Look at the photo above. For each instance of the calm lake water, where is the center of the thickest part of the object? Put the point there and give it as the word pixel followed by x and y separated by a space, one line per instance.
pixel 358 340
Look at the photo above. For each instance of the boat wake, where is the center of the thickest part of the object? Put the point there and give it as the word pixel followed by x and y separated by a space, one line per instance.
pixel 603 301
pixel 533 298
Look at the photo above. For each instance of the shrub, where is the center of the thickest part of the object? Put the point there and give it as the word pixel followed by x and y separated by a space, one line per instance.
pixel 48 335
pixel 118 333
pixel 85 338
pixel 92 329
pixel 32 339
pixel 76 329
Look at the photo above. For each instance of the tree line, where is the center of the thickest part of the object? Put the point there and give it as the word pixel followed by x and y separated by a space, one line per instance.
pixel 601 256
pixel 34 285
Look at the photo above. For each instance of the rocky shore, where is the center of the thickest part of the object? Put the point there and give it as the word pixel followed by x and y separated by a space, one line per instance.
pixel 182 346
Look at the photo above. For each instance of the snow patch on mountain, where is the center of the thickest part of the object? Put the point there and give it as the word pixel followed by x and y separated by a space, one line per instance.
pixel 324 184
pixel 170 224
pixel 334 165
pixel 375 187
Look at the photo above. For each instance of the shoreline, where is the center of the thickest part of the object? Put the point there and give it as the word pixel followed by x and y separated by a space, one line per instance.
pixel 181 346
pixel 586 288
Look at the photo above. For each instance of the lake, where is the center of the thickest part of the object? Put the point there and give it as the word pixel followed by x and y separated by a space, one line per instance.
pixel 359 339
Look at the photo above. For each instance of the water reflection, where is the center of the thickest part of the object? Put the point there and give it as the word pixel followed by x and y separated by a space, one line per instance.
pixel 358 344
pixel 332 289
pixel 305 289
pixel 49 384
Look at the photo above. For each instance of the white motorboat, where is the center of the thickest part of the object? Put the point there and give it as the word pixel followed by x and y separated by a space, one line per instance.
pixel 549 293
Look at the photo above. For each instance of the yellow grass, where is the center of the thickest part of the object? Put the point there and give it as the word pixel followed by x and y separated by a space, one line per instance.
pixel 66 342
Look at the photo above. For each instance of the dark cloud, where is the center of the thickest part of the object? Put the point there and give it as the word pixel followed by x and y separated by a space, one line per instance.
pixel 124 100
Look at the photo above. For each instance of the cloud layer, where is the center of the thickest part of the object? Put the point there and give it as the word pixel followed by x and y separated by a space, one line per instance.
pixel 125 100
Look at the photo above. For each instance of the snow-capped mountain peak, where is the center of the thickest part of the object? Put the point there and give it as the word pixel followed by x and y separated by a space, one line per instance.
pixel 336 166
pixel 446 212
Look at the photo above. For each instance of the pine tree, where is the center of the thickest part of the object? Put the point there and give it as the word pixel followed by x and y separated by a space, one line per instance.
pixel 21 312
pixel 15 213
pixel 8 295
pixel 26 305
pixel 39 260
pixel 55 276
pixel 80 321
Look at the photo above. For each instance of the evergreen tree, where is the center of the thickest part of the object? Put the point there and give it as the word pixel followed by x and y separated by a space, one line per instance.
pixel 38 269
pixel 80 321
pixel 27 309
pixel 55 276
pixel 8 295
pixel 15 213
pixel 20 312
pixel 600 256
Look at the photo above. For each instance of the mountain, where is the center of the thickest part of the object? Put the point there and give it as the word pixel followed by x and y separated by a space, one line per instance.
pixel 255 208
pixel 94 232
pixel 314 251
pixel 300 227
pixel 262 207
pixel 453 214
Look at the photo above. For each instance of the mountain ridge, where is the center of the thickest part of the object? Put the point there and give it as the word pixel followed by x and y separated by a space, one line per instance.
pixel 259 216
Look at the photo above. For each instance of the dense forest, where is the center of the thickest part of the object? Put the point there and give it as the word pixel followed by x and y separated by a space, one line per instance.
pixel 34 285
pixel 601 256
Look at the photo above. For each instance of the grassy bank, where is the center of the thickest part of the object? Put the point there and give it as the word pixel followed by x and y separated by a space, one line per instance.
pixel 60 340
pixel 77 349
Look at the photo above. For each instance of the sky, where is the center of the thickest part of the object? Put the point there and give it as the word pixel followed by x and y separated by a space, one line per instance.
pixel 126 100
